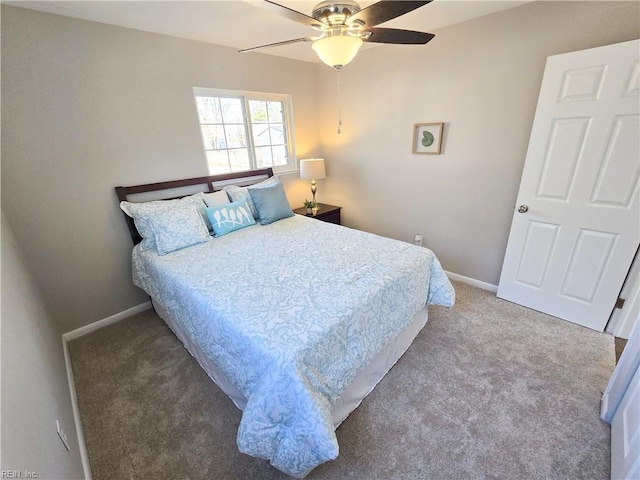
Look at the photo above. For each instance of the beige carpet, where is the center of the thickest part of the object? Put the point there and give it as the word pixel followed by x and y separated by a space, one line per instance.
pixel 489 389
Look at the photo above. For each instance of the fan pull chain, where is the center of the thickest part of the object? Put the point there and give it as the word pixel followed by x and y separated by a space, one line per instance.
pixel 339 103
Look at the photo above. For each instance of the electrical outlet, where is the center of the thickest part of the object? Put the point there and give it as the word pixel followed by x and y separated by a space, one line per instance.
pixel 418 240
pixel 62 435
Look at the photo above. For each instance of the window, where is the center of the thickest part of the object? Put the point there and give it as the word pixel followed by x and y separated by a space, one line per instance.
pixel 245 130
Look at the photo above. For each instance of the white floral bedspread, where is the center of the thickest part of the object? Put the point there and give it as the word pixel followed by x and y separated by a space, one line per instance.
pixel 287 312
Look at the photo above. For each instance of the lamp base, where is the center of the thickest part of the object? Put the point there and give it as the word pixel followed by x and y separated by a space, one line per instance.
pixel 313 191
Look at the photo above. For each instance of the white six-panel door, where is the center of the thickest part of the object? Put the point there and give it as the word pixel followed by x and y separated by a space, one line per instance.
pixel 576 226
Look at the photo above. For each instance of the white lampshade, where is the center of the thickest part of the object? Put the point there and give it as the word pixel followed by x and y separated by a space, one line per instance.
pixel 338 50
pixel 312 169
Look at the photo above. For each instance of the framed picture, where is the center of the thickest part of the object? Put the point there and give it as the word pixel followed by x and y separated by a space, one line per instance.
pixel 427 138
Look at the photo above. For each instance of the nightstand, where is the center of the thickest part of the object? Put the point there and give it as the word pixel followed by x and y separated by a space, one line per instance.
pixel 326 213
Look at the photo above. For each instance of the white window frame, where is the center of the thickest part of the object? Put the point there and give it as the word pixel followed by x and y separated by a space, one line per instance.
pixel 246 96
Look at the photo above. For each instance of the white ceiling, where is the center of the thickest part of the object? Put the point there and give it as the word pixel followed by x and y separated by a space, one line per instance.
pixel 246 23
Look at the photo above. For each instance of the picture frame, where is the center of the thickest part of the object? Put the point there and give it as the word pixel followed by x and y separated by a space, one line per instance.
pixel 427 138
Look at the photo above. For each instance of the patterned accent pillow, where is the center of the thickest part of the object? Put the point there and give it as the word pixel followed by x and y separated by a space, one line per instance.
pixel 271 203
pixel 141 212
pixel 199 198
pixel 228 218
pixel 237 194
pixel 178 227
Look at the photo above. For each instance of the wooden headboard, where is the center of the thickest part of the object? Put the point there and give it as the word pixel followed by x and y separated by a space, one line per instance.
pixel 181 188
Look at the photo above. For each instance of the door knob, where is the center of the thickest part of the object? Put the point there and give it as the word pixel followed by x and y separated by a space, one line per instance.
pixel 523 208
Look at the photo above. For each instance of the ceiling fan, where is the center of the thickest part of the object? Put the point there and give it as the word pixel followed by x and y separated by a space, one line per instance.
pixel 344 26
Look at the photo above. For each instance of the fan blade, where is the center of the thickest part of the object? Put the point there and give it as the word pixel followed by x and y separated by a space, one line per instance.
pixel 292 14
pixel 277 44
pixel 385 10
pixel 393 35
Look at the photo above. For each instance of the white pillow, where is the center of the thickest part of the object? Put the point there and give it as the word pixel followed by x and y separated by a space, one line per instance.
pixel 216 199
pixel 141 212
pixel 178 227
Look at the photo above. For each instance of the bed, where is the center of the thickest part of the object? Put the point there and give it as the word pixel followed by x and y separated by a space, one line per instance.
pixel 296 320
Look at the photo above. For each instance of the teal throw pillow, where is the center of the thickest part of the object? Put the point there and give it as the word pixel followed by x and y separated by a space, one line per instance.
pixel 228 218
pixel 237 194
pixel 271 203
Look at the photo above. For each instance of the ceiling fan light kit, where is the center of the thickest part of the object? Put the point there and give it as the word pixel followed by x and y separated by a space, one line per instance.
pixel 337 51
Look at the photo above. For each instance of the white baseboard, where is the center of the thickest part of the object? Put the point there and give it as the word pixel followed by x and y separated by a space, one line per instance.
pixel 604 407
pixel 472 281
pixel 92 327
pixel 82 446
pixel 79 332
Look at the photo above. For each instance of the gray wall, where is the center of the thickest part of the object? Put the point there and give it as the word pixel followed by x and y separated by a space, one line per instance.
pixel 87 107
pixel 482 78
pixel 35 391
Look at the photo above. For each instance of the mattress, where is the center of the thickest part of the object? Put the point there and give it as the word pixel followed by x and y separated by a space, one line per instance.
pixel 290 314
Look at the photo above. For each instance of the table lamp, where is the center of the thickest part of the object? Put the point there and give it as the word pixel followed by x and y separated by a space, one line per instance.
pixel 312 169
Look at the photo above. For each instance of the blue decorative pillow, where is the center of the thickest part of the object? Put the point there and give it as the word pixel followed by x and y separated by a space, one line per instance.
pixel 178 227
pixel 238 194
pixel 271 203
pixel 228 218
